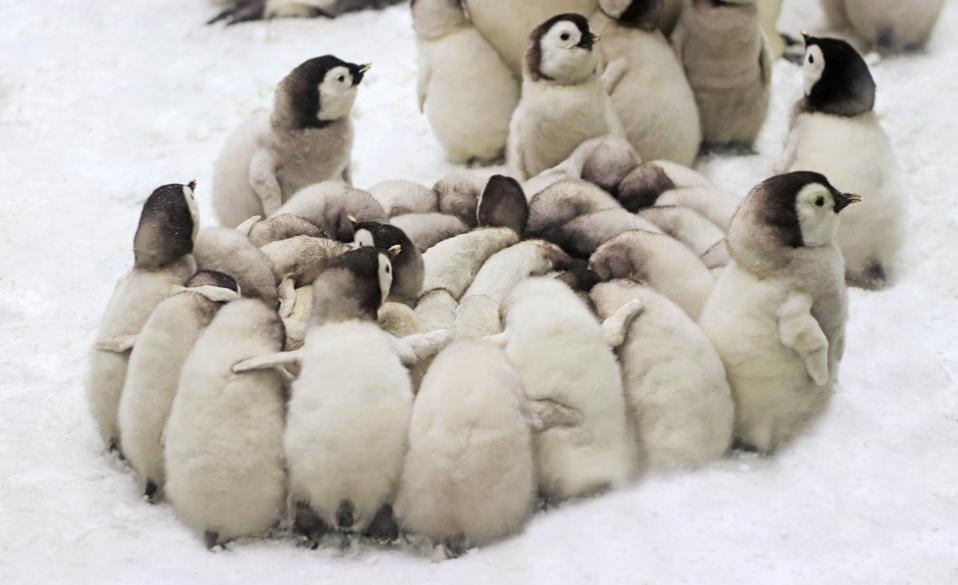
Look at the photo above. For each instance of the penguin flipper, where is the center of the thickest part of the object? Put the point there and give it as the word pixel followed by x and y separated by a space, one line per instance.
pixel 543 415
pixel 287 297
pixel 613 74
pixel 412 349
pixel 267 362
pixel 262 178
pixel 117 344
pixel 422 82
pixel 800 331
pixel 217 294
pixel 247 226
pixel 615 327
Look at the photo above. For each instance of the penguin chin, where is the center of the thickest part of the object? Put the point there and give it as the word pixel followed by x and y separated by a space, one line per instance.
pixel 336 105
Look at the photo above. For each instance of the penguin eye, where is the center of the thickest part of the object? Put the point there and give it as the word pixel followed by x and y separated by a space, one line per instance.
pixel 820 202
pixel 387 270
pixel 564 36
pixel 811 59
pixel 342 78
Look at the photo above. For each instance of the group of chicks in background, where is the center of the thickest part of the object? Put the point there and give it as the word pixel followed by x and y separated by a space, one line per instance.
pixel 432 361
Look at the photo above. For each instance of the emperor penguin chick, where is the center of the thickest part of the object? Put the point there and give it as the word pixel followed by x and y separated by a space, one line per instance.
pixel 266 231
pixel 663 182
pixel 685 225
pixel 506 25
pixel 659 260
pixel 452 264
pixel 886 25
pixel 468 92
pixel 344 456
pixel 425 230
pixel 162 261
pixel 561 354
pixel 228 251
pixel 154 372
pixel 834 131
pixel 402 197
pixel 675 384
pixel 778 312
pixel 469 475
pixel 306 139
pixel 224 438
pixel 563 100
pixel 458 195
pixel 296 263
pixel 330 204
pixel 729 67
pixel 558 204
pixel 639 67
pixel 406 261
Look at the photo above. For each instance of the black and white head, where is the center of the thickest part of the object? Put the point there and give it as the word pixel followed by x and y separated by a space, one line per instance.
pixel 503 204
pixel 407 266
pixel 560 50
pixel 787 212
pixel 168 226
pixel 213 278
pixel 837 79
pixel 644 14
pixel 318 92
pixel 352 286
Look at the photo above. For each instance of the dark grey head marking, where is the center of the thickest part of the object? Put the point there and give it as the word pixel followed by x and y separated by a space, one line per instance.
pixel 165 232
pixel 212 278
pixel 773 203
pixel 301 88
pixel 642 187
pixel 644 14
pixel 579 279
pixel 846 86
pixel 359 271
pixel 534 52
pixel 503 204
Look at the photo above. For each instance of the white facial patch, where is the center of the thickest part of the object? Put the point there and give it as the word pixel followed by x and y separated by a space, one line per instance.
pixel 812 67
pixel 562 58
pixel 385 275
pixel 817 218
pixel 336 94
pixel 363 239
pixel 194 209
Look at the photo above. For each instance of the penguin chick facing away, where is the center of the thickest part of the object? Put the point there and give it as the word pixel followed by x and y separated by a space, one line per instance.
pixel 157 358
pixel 834 131
pixel 663 262
pixel 602 161
pixel 223 442
pixel 563 100
pixel 228 251
pixel 469 475
pixel 888 26
pixel 266 231
pixel 464 86
pixel 330 204
pixel 344 458
pixel 778 312
pixel 406 260
pixel 562 354
pixel 162 261
pixel 306 139
pixel 458 195
pixel 639 67
pixel 663 183
pixel 675 384
pixel 729 67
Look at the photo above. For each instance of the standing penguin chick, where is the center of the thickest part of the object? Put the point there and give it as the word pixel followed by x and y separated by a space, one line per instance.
pixel 154 371
pixel 406 260
pixel 163 260
pixel 674 381
pixel 348 416
pixel 224 438
pixel 888 26
pixel 834 131
pixel 562 354
pixel 469 475
pixel 729 67
pixel 639 67
pixel 777 314
pixel 308 138
pixel 468 91
pixel 563 100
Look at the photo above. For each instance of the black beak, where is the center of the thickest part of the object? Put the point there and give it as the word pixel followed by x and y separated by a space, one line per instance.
pixel 359 71
pixel 588 40
pixel 843 200
pixel 192 185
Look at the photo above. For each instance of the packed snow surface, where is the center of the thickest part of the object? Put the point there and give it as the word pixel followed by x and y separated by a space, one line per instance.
pixel 102 101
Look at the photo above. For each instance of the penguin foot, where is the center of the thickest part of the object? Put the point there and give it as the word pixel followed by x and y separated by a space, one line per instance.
pixel 455 547
pixel 383 528
pixel 309 524
pixel 212 539
pixel 151 491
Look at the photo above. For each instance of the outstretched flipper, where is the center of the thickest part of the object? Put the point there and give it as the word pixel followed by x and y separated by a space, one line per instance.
pixel 262 177
pixel 543 415
pixel 615 327
pixel 282 362
pixel 613 74
pixel 217 294
pixel 798 330
pixel 422 82
pixel 287 297
pixel 117 344
pixel 412 349
pixel 247 226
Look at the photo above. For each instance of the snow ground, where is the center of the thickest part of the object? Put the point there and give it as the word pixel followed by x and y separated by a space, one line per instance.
pixel 100 102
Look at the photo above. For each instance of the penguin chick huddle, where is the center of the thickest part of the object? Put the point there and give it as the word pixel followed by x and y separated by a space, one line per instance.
pixel 431 364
